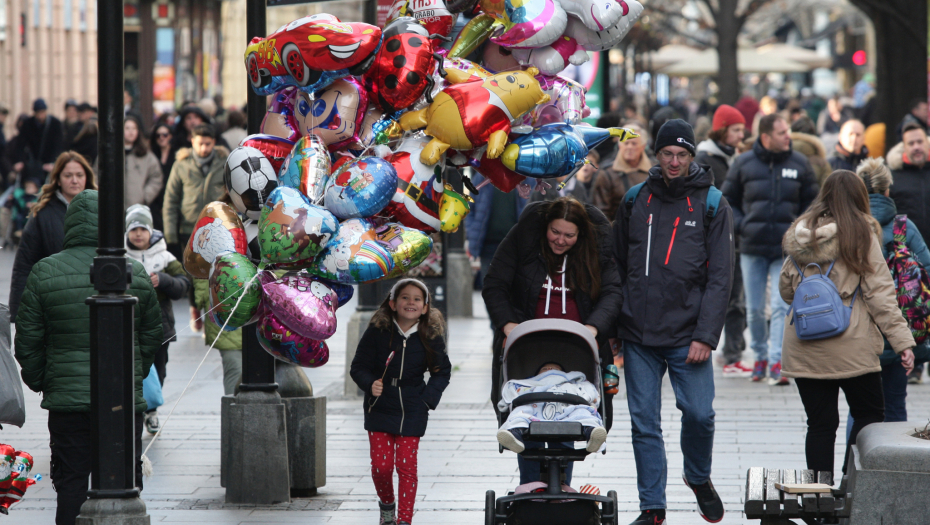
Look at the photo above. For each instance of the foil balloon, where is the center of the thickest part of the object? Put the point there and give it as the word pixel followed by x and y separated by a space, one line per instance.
pixel 527 23
pixel 249 178
pixel 292 231
pixel 18 478
pixel 470 38
pixel 362 253
pixel 432 14
pixel 460 70
pixel 468 115
pixel 306 168
pixel 289 346
pixel 306 306
pixel 418 193
pixel 344 292
pixel 7 457
pixel 217 231
pixel 607 38
pixel 596 14
pixel 402 71
pixel 453 209
pixel 235 294
pixel 552 59
pixel 280 121
pixel 275 149
pixel 334 114
pixel 566 103
pixel 498 59
pixel 378 128
pixel 499 175
pixel 461 6
pixel 557 149
pixel 360 187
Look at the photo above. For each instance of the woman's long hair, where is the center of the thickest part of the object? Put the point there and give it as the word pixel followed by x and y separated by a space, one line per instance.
pixel 140 147
pixel 430 325
pixel 844 198
pixel 48 190
pixel 583 268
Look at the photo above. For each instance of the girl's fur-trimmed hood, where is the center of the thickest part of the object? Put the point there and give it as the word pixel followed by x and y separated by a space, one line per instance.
pixel 436 328
pixel 797 242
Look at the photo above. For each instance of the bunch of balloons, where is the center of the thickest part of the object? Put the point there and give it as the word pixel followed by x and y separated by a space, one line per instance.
pixel 15 466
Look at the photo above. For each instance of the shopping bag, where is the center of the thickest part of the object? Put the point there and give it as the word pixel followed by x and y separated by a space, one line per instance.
pixel 151 390
pixel 12 403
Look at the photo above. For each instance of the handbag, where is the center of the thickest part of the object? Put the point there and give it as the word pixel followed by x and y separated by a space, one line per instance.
pixel 151 390
pixel 12 403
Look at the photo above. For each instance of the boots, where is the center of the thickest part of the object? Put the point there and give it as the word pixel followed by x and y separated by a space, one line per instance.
pixel 387 513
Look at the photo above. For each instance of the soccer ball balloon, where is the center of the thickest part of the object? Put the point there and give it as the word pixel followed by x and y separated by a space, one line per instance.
pixel 249 179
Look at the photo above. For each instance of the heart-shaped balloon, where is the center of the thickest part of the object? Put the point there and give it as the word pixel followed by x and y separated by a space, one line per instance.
pixel 306 168
pixel 234 277
pixel 289 346
pixel 275 149
pixel 292 231
pixel 360 187
pixel 218 231
pixel 306 306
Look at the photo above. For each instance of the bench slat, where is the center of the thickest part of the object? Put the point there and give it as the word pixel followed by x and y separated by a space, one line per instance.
pixel 754 505
pixel 826 502
pixel 772 495
pixel 790 502
pixel 808 501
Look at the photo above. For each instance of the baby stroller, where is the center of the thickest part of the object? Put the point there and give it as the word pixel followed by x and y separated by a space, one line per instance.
pixel 529 346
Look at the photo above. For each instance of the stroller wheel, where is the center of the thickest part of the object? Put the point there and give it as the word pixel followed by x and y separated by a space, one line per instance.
pixel 615 520
pixel 489 506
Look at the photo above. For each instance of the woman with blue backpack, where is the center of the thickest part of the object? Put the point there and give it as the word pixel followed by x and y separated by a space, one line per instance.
pixel 842 300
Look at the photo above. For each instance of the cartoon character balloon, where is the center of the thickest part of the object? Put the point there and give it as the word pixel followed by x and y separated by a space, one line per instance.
pixel 335 114
pixel 280 121
pixel 402 71
pixel 289 346
pixel 14 476
pixel 217 231
pixel 360 187
pixel 453 209
pixel 432 14
pixel 235 294
pixel 415 202
pixel 557 149
pixel 566 104
pixel 292 231
pixel 306 168
pixel 527 23
pixel 306 306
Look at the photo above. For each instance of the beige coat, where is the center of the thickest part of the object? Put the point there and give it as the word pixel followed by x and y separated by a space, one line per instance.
pixel 854 352
pixel 144 179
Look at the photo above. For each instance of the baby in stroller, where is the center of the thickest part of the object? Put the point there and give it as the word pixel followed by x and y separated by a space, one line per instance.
pixel 550 377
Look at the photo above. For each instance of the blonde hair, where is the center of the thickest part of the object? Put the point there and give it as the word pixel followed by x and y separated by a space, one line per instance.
pixel 48 190
pixel 875 174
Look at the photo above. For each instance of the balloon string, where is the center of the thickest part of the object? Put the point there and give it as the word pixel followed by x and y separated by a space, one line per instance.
pixel 146 463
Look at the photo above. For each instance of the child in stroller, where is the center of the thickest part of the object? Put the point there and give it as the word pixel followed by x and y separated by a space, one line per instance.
pixel 550 377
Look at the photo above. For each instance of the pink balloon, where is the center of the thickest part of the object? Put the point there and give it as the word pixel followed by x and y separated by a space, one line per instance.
pixel 307 307
pixel 289 346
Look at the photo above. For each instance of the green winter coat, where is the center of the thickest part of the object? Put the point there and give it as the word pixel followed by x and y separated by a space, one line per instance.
pixel 53 323
pixel 228 340
pixel 188 190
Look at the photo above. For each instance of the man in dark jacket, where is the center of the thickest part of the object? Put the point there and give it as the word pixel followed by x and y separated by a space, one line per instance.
pixel 768 188
pixel 676 258
pixel 850 149
pixel 53 349
pixel 44 136
pixel 492 215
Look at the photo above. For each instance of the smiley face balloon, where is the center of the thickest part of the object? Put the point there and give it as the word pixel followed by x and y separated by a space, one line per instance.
pixel 335 114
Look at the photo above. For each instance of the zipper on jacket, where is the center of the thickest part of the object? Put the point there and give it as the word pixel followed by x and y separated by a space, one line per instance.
pixel 400 394
pixel 672 242
pixel 648 243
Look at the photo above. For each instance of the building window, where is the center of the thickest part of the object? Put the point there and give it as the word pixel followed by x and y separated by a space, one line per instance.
pixel 82 14
pixel 69 15
pixel 49 11
pixel 35 13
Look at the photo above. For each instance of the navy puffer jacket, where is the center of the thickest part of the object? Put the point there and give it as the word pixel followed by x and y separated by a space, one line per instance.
pixel 767 192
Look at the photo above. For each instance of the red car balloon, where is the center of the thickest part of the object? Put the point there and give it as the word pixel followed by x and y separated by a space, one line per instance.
pixel 403 68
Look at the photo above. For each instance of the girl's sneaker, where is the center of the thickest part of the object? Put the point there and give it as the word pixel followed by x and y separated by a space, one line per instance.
pixel 758 371
pixel 387 513
pixel 775 377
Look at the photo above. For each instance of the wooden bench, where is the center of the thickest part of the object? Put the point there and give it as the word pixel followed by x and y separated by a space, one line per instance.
pixel 772 506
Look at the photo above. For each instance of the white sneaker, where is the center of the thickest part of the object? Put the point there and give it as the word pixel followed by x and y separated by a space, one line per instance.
pixel 598 437
pixel 509 441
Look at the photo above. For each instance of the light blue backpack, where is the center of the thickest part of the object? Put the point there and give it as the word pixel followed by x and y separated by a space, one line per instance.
pixel 818 309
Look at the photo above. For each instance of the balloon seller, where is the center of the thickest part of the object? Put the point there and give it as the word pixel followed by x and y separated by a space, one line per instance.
pixel 404 340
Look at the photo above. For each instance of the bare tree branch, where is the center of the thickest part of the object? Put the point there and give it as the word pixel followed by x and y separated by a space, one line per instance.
pixel 750 10
pixel 696 40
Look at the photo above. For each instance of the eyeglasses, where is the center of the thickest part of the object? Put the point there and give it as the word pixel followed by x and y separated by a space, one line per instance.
pixel 162 135
pixel 667 156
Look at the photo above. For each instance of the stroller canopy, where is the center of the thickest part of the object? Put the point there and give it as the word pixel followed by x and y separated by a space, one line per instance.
pixel 539 341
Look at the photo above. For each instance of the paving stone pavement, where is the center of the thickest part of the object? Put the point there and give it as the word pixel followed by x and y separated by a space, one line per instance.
pixel 757 425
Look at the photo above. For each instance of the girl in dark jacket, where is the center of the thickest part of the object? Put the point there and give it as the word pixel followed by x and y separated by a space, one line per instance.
pixel 404 340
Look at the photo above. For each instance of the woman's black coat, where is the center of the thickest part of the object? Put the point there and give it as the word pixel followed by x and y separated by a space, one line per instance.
pixel 43 235
pixel 404 404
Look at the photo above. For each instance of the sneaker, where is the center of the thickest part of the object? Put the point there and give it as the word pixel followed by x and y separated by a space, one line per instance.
pixel 758 371
pixel 387 513
pixel 650 517
pixel 510 441
pixel 151 422
pixel 915 377
pixel 737 369
pixel 775 378
pixel 709 504
pixel 598 437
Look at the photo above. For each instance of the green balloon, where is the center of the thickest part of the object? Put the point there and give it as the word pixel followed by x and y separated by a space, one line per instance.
pixel 233 277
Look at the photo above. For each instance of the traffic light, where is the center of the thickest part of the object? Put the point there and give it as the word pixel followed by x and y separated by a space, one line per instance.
pixel 859 58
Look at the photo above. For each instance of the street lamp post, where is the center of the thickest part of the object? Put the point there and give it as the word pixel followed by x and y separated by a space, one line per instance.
pixel 114 497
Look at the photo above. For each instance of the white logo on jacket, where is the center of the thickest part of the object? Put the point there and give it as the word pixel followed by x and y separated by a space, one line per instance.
pixel 690 223
pixel 789 174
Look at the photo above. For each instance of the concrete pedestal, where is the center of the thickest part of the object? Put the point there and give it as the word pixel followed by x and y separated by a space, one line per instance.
pixel 890 475
pixel 459 282
pixel 306 444
pixel 358 323
pixel 253 448
pixel 291 380
pixel 123 511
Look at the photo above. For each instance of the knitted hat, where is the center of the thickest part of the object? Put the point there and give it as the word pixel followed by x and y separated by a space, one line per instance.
pixel 726 116
pixel 139 216
pixel 675 132
pixel 39 105
pixel 404 282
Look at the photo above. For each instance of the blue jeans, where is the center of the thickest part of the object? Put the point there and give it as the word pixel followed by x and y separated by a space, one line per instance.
pixel 644 367
pixel 766 338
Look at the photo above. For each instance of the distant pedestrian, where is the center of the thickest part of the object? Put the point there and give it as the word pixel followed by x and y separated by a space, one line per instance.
pixel 143 177
pixel 630 167
pixel 183 134
pixel 588 173
pixel 43 138
pixel 147 245
pixel 236 132
pixel 573 187
pixel 404 341
pixel 85 142
pixel 492 216
pixel 718 152
pixel 161 148
pixel 917 114
pixel 768 188
pixel 53 348
pixel 228 343
pixel 850 149
pixel 44 233
pixel 805 141
pixel 675 257
pixel 72 124
pixel 838 234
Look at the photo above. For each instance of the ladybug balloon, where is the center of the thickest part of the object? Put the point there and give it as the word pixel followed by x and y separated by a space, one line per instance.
pixel 403 68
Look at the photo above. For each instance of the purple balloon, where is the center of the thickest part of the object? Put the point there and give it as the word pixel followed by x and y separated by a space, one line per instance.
pixel 305 306
pixel 289 346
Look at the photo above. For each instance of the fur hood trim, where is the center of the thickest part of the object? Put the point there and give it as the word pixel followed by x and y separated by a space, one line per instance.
pixel 437 327
pixel 813 140
pixel 895 157
pixel 798 241
pixel 184 153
